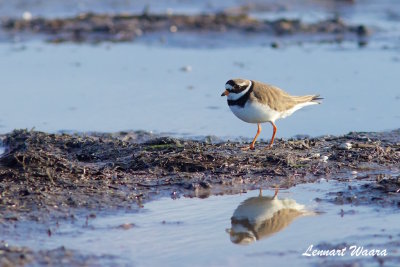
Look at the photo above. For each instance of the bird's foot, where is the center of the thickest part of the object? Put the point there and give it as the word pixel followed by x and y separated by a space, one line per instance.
pixel 270 146
pixel 251 147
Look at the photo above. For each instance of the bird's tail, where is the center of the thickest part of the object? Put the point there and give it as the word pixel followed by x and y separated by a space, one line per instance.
pixel 311 99
pixel 317 99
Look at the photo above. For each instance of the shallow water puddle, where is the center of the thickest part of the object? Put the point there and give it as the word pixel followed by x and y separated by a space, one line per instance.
pixel 180 232
pixel 108 87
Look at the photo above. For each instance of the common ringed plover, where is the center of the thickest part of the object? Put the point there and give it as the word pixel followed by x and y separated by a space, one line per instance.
pixel 257 102
pixel 262 216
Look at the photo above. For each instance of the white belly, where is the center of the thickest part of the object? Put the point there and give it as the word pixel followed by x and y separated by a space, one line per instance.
pixel 254 112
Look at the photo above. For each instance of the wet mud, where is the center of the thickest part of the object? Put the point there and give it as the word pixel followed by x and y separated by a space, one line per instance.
pixel 52 177
pixel 91 27
pixel 21 256
pixel 384 192
pixel 57 172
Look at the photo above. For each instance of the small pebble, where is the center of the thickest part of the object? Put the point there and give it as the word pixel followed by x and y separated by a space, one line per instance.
pixel 324 158
pixel 345 146
pixel 275 45
pixel 138 32
pixel 27 15
pixel 126 226
pixel 316 156
pixel 187 68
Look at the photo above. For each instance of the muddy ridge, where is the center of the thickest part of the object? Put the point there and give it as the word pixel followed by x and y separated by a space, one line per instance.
pixel 126 27
pixel 43 173
pixel 21 256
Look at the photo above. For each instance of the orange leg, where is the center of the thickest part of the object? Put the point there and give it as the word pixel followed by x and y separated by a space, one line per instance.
pixel 255 138
pixel 276 191
pixel 273 135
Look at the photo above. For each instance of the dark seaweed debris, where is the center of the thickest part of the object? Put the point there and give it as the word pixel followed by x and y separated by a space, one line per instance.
pixel 385 192
pixel 56 172
pixel 21 256
pixel 125 27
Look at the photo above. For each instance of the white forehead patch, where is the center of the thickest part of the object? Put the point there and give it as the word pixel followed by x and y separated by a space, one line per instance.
pixel 228 86
pixel 236 96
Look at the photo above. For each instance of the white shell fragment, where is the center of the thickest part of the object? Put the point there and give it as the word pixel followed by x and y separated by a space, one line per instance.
pixel 27 15
pixel 345 146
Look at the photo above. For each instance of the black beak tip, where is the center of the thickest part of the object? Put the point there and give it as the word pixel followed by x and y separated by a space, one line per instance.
pixel 223 94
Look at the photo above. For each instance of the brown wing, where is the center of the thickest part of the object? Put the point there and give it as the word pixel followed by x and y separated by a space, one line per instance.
pixel 280 220
pixel 276 98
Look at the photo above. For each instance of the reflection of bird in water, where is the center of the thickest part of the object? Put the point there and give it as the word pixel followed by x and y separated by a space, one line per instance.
pixel 259 217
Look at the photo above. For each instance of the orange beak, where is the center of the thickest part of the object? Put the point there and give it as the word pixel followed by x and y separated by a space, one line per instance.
pixel 225 93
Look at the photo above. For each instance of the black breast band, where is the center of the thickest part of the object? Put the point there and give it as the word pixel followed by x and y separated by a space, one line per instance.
pixel 243 99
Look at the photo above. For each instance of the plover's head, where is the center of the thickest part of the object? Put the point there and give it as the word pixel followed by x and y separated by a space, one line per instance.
pixel 236 88
pixel 260 217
